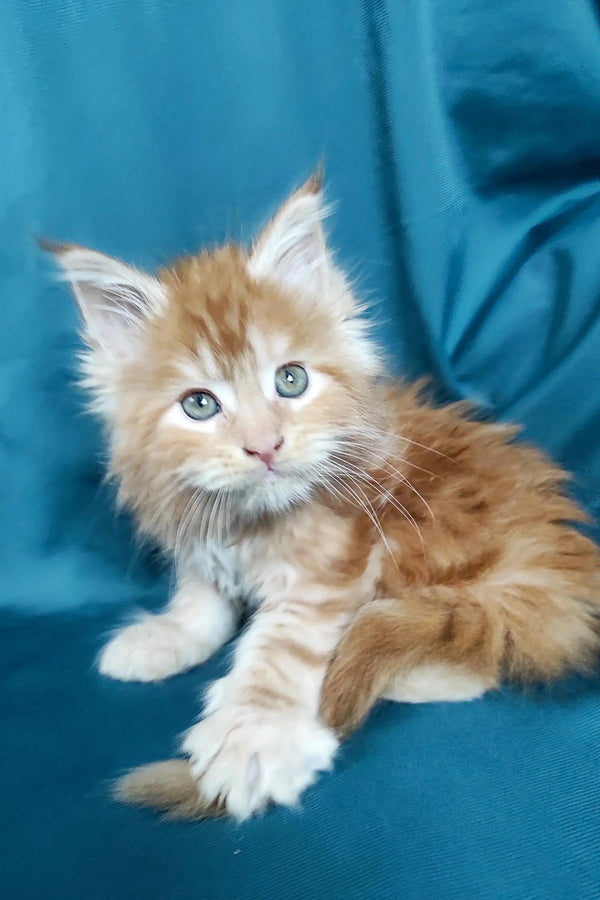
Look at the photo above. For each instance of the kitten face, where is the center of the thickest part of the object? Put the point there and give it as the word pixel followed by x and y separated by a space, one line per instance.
pixel 237 372
pixel 229 338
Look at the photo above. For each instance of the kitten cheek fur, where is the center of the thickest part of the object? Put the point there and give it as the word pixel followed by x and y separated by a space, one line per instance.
pixel 214 309
pixel 435 557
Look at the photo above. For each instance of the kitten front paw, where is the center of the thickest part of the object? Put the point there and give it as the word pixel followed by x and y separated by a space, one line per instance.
pixel 246 758
pixel 150 650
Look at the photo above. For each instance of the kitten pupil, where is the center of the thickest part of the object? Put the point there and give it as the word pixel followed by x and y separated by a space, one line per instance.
pixel 384 547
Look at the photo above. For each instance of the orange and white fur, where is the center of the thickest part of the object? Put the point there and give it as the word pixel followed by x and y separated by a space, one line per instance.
pixel 385 548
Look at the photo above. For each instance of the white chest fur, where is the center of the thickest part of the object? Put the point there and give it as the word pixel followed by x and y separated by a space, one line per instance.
pixel 247 571
pixel 274 563
pixel 219 564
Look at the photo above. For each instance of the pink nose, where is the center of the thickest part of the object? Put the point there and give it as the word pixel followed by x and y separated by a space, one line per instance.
pixel 267 455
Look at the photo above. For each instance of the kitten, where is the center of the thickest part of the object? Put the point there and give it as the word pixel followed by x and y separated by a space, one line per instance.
pixel 386 548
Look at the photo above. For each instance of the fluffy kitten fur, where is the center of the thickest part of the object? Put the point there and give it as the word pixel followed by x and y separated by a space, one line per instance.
pixel 386 548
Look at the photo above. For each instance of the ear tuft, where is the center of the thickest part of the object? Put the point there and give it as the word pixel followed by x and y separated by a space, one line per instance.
pixel 316 182
pixel 115 299
pixel 292 249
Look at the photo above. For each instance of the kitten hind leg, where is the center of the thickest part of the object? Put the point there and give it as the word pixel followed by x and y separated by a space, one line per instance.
pixel 427 647
pixel 196 622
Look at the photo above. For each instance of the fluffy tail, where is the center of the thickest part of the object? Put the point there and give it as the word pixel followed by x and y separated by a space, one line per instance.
pixel 469 642
pixel 392 638
pixel 166 786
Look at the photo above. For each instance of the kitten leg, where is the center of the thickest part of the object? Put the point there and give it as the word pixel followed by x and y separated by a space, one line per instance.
pixel 427 647
pixel 196 622
pixel 261 740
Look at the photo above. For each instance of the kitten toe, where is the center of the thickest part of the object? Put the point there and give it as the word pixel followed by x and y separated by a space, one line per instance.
pixel 149 650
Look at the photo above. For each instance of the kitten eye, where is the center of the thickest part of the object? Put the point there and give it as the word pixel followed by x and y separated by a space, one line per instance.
pixel 200 405
pixel 291 380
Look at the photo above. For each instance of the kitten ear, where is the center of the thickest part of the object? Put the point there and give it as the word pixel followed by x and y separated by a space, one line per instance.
pixel 292 249
pixel 114 298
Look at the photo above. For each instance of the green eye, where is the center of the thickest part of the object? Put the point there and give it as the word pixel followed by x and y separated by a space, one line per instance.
pixel 200 405
pixel 291 380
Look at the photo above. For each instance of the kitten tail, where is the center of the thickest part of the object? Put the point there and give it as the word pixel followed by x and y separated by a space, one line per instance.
pixel 169 787
pixel 469 645
pixel 385 641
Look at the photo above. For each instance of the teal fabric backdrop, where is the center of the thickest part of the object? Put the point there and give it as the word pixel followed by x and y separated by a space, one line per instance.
pixel 462 145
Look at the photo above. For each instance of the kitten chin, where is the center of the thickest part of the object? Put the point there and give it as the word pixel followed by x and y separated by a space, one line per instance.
pixel 406 551
pixel 276 496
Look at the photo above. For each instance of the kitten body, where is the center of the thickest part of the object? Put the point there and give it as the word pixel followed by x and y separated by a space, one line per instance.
pixel 386 548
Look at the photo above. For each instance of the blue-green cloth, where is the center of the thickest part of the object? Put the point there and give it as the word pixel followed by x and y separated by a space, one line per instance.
pixel 462 146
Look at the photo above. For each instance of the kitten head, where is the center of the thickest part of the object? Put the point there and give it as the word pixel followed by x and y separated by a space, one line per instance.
pixel 245 372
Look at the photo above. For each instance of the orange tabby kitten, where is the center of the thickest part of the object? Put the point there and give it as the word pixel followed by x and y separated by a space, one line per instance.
pixel 385 547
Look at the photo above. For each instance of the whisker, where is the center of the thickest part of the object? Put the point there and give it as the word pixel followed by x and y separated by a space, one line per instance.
pixel 203 505
pixel 368 510
pixel 216 500
pixel 183 529
pixel 393 501
pixel 368 448
pixel 222 520
pixel 401 437
pixel 399 476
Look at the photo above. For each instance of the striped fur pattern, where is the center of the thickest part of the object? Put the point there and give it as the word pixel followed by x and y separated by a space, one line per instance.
pixel 385 547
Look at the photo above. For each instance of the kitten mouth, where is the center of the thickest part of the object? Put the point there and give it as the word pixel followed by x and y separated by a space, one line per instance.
pixel 268 473
pixel 261 475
